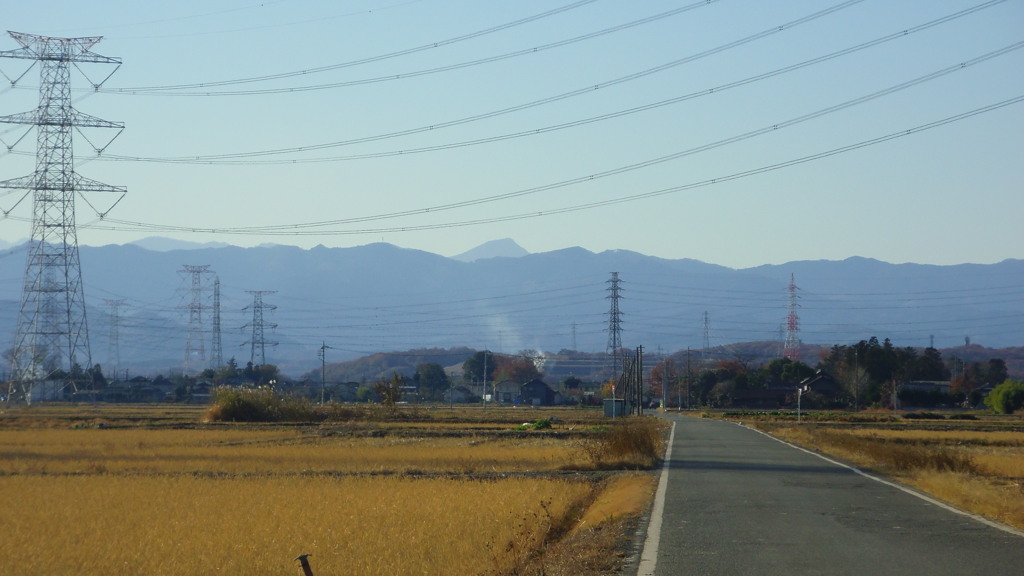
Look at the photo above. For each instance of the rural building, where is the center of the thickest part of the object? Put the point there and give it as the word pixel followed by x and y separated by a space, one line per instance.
pixel 823 383
pixel 459 394
pixel 537 393
pixel 940 386
pixel 507 392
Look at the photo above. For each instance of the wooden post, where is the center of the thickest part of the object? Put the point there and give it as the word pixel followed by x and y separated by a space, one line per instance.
pixel 304 562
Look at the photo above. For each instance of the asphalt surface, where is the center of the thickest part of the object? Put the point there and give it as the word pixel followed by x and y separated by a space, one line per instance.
pixel 739 502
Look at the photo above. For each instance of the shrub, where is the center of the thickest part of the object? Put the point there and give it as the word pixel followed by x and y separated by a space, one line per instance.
pixel 542 424
pixel 923 416
pixel 964 416
pixel 629 443
pixel 257 405
pixel 1006 398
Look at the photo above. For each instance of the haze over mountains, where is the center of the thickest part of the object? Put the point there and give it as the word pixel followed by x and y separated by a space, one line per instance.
pixel 381 297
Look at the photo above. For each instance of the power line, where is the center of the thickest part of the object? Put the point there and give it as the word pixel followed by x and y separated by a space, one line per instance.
pixel 771 128
pixel 550 99
pixel 378 58
pixel 245 158
pixel 300 229
pixel 435 70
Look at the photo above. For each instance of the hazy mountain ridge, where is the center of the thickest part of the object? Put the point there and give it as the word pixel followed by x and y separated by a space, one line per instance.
pixel 381 297
pixel 504 248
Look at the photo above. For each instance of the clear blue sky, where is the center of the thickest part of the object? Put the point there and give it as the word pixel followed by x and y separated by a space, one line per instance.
pixel 951 194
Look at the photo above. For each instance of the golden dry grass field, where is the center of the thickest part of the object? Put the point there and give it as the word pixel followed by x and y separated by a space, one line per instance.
pixel 103 491
pixel 975 465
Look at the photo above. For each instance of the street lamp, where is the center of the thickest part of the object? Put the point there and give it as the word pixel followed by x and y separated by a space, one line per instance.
pixel 799 393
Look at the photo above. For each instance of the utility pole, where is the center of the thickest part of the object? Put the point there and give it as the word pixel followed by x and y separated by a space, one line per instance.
pixel 799 394
pixel 322 353
pixel 258 343
pixel 52 333
pixel 494 393
pixel 687 377
pixel 639 381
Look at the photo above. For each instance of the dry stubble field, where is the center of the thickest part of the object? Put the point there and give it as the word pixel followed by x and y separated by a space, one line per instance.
pixel 152 491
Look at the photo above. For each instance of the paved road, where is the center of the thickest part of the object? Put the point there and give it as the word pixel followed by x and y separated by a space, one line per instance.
pixel 738 502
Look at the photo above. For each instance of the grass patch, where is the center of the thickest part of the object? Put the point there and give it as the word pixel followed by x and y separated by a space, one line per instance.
pixel 629 443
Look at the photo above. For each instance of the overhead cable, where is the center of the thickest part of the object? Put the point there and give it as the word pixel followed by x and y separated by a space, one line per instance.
pixel 550 99
pixel 127 225
pixel 305 228
pixel 245 158
pixel 378 58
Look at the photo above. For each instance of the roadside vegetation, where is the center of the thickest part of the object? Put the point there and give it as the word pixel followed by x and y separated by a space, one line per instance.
pixel 1007 397
pixel 411 490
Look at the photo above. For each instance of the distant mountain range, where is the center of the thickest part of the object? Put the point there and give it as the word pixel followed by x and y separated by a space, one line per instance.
pixel 379 297
pixel 504 248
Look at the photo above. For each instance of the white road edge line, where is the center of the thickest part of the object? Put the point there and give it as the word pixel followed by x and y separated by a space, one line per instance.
pixel 900 487
pixel 649 556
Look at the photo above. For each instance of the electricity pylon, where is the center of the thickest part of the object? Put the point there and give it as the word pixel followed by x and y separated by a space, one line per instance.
pixel 706 342
pixel 791 349
pixel 258 343
pixel 218 348
pixel 52 338
pixel 195 345
pixel 614 322
pixel 114 336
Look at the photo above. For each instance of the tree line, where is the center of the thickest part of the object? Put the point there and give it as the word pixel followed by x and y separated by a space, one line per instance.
pixel 868 373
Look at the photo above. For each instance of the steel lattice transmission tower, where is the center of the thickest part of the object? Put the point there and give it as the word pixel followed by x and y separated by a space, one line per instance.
pixel 52 333
pixel 195 345
pixel 614 321
pixel 706 342
pixel 791 349
pixel 113 336
pixel 258 343
pixel 218 349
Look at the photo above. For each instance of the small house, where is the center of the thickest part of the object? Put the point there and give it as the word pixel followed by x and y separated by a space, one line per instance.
pixel 506 392
pixel 537 393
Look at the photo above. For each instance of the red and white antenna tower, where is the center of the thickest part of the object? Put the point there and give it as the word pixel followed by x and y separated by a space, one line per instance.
pixel 791 349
